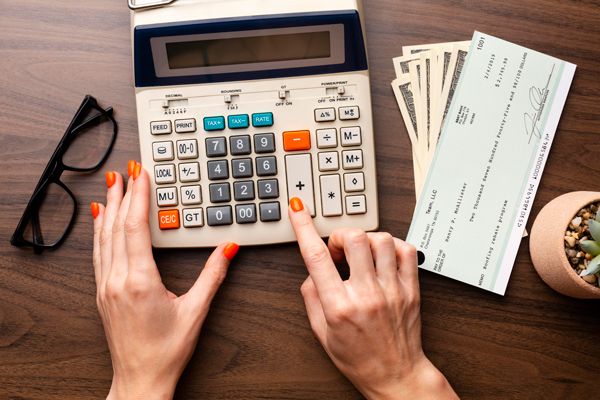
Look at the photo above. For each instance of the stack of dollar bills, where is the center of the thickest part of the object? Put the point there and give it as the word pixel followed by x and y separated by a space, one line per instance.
pixel 427 76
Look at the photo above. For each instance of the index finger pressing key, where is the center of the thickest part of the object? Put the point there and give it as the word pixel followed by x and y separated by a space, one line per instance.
pixel 315 253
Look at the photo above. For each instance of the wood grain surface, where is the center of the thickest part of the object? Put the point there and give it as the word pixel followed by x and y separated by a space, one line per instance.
pixel 532 343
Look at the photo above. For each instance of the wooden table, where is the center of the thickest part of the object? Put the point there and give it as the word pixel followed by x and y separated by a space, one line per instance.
pixel 533 343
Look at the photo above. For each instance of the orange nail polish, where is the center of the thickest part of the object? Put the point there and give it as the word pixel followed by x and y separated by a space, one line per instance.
pixel 111 178
pixel 296 204
pixel 95 210
pixel 136 171
pixel 230 251
pixel 130 167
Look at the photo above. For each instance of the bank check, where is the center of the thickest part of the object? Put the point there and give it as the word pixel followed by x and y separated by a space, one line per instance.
pixel 472 211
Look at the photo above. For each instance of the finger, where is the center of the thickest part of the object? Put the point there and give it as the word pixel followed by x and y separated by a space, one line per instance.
pixel 200 296
pixel 383 249
pixel 316 256
pixel 119 247
pixel 336 251
pixel 314 309
pixel 407 263
pixel 114 196
pixel 98 214
pixel 137 230
pixel 358 253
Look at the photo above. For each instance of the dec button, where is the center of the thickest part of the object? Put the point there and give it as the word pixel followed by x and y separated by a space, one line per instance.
pixel 168 219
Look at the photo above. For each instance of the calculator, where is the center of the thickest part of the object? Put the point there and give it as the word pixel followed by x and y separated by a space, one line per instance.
pixel 245 104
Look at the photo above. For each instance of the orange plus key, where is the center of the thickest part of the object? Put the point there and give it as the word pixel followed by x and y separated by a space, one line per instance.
pixel 168 219
pixel 296 140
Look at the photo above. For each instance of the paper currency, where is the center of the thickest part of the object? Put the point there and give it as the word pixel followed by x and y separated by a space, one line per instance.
pixel 426 80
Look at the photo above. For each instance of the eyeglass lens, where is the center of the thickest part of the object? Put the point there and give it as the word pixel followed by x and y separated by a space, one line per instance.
pixel 90 144
pixel 54 214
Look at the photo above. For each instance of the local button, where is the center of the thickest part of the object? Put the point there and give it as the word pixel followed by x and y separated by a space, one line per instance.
pixel 168 219
pixel 262 119
pixel 238 121
pixel 296 140
pixel 214 123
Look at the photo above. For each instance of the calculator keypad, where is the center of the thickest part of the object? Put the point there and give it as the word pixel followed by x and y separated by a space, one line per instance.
pixel 254 168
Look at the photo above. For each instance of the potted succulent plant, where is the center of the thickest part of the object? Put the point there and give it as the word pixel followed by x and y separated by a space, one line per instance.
pixel 564 244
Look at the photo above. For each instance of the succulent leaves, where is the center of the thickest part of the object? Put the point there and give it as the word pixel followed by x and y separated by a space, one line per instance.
pixel 590 246
pixel 594 227
pixel 593 267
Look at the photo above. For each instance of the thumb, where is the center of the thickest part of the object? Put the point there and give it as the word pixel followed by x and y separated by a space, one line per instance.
pixel 200 296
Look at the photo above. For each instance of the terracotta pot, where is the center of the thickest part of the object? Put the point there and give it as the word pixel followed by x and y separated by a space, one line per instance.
pixel 547 245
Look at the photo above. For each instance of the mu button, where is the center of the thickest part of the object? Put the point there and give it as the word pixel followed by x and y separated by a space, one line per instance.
pixel 296 140
pixel 168 219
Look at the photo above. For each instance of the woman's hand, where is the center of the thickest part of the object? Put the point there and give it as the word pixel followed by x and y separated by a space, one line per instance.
pixel 369 325
pixel 151 332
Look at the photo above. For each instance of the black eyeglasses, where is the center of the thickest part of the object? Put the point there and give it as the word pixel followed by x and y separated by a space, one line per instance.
pixel 52 207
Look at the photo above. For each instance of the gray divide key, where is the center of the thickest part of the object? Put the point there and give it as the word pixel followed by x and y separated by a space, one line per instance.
pixel 219 215
pixel 270 211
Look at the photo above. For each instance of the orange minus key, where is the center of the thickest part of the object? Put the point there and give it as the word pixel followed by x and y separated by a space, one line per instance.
pixel 168 219
pixel 296 140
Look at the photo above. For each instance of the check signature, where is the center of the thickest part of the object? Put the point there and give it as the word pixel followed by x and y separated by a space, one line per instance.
pixel 537 98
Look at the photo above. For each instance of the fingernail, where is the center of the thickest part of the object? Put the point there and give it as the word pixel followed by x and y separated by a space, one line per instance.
pixel 230 251
pixel 111 178
pixel 136 171
pixel 296 204
pixel 130 167
pixel 95 210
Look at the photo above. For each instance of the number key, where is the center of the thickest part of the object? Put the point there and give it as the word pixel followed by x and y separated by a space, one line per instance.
pixel 245 213
pixel 266 166
pixel 218 170
pixel 219 215
pixel 216 147
pixel 243 190
pixel 219 193
pixel 264 143
pixel 239 145
pixel 241 167
pixel 268 189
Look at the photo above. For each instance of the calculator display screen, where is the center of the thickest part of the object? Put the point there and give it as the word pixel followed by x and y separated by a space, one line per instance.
pixel 248 50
